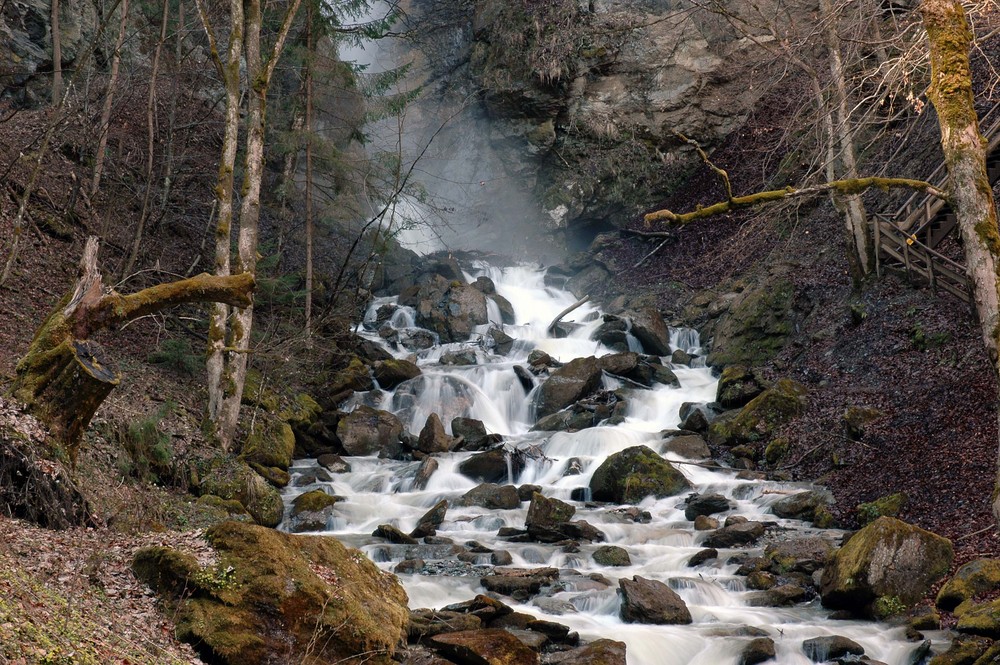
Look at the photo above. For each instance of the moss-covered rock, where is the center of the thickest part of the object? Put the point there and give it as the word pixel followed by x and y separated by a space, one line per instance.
pixel 227 506
pixel 737 386
pixel 257 392
pixel 354 377
pixel 313 501
pixel 611 555
pixel 302 412
pixel 776 450
pixel 762 416
pixel 271 444
pixel 974 578
pixel 274 596
pixel 233 479
pixel 982 620
pixel 888 558
pixel 856 419
pixel 635 473
pixel 886 506
pixel 756 326
pixel 964 650
pixel 391 373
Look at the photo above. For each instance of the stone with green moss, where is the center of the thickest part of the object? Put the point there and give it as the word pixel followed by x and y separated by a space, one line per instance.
pixel 762 416
pixel 229 506
pixel 964 650
pixel 887 506
pixel 974 578
pixel 233 479
pixel 313 501
pixel 272 596
pixel 737 386
pixel 887 558
pixel 635 473
pixel 303 411
pixel 856 419
pixel 776 450
pixel 272 474
pixel 257 392
pixel 391 373
pixel 757 325
pixel 981 619
pixel 271 443
pixel 354 377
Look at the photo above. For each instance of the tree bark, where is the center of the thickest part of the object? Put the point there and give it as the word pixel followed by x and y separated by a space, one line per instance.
pixel 965 157
pixel 310 47
pixel 105 126
pixel 65 376
pixel 57 81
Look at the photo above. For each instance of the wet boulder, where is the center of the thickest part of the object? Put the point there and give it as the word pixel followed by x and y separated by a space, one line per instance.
pixel 490 495
pixel 428 523
pixel 705 504
pixel 267 597
pixel 459 358
pixel 367 431
pixel 598 652
pixel 507 315
pixel 888 558
pixel 525 378
pixel 519 583
pixel 803 505
pixel 735 535
pixel 635 473
pixel 759 650
pixel 778 596
pixel 702 556
pixel 568 384
pixel 651 601
pixel 311 511
pixel 356 377
pixel 688 446
pixel 697 416
pixel 391 373
pixel 433 438
pixel 830 647
pixel 981 619
pixel 393 535
pixel 333 464
pixel 798 555
pixel 472 434
pixel 454 314
pixel 502 342
pixel 619 364
pixel 613 333
pixel 649 328
pixel 493 466
pixel 489 646
pixel 612 555
pixel 974 578
pixel 548 521
pixel 427 468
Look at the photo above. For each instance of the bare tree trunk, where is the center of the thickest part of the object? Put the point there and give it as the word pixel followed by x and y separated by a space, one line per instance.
pixel 229 72
pixel 310 47
pixel 140 227
pixel 102 140
pixel 853 207
pixel 65 376
pixel 168 168
pixel 57 82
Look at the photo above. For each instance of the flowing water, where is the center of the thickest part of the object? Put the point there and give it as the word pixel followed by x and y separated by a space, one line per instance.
pixel 380 491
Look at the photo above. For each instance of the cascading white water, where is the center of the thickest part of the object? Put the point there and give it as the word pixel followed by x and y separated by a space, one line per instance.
pixel 380 491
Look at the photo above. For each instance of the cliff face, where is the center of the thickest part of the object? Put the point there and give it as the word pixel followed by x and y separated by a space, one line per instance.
pixel 585 99
pixel 26 44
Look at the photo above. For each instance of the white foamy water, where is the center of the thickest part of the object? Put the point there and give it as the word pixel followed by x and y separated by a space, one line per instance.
pixel 379 491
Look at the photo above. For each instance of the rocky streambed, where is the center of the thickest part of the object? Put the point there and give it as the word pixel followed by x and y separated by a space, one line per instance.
pixel 546 490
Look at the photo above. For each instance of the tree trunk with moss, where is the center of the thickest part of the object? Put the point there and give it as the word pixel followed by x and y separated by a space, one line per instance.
pixel 65 376
pixel 971 196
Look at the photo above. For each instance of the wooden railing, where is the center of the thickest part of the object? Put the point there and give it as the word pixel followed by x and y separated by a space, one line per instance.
pixel 911 234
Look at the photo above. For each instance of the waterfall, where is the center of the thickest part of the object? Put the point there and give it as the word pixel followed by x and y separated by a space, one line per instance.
pixel 378 491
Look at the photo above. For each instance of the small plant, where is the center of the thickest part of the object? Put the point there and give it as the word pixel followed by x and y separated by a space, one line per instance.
pixel 888 606
pixel 177 355
pixel 149 447
pixel 216 578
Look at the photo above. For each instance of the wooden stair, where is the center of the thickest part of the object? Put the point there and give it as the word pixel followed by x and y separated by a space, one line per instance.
pixel 910 235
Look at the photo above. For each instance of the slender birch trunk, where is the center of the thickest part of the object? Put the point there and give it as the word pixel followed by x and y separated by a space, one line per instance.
pixel 109 96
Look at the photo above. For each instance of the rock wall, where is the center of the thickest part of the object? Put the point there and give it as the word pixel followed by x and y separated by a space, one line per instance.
pixel 585 100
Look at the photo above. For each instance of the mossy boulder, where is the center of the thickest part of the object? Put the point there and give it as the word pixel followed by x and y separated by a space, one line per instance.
pixel 233 479
pixel 367 431
pixel 571 382
pixel 856 419
pixel 757 325
pixel 964 650
pixel 982 619
pixel 391 373
pixel 888 558
pixel 611 555
pixel 974 578
pixel 737 386
pixel 277 597
pixel 635 473
pixel 762 416
pixel 302 412
pixel 354 377
pixel 270 444
pixel 257 392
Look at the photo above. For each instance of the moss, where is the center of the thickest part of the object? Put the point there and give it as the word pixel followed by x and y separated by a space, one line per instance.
pixel 856 419
pixel 313 501
pixel 976 577
pixel 823 518
pixel 229 506
pixel 229 478
pixel 762 417
pixel 256 393
pixel 886 506
pixel 983 620
pixel 303 412
pixel 964 650
pixel 353 377
pixel 756 327
pixel 271 444
pixel 635 473
pixel 776 450
pixel 164 569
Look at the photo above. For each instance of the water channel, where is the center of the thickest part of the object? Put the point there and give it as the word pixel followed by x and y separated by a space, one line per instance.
pixel 380 491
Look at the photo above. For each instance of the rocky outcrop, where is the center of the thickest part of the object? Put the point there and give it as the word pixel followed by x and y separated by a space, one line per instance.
pixel 762 416
pixel 651 601
pixel 635 473
pixel 231 479
pixel 484 646
pixel 758 324
pixel 277 596
pixel 737 386
pixel 886 559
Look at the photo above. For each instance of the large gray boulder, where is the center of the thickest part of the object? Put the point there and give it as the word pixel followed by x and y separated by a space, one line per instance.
pixel 490 495
pixel 571 382
pixel 649 328
pixel 887 559
pixel 635 473
pixel 650 601
pixel 367 431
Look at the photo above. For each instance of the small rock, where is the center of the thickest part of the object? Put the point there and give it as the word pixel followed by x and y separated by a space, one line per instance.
pixel 651 601
pixel 611 555
pixel 830 647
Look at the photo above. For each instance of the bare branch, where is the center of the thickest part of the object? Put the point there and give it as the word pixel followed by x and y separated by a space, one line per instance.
pixel 848 186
